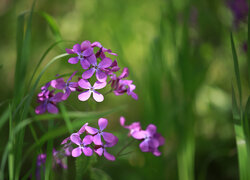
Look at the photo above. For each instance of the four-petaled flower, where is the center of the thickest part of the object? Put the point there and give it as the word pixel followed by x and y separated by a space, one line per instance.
pixel 84 96
pixel 134 127
pixel 67 86
pixel 82 145
pixel 98 68
pixel 108 137
pixel 84 53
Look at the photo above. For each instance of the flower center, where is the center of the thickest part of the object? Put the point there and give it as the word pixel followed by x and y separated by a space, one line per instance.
pixel 81 146
pixel 91 89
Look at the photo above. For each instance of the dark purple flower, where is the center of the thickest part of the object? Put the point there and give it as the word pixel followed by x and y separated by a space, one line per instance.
pixel 239 9
pixel 98 68
pixel 48 102
pixel 98 133
pixel 67 86
pixel 151 140
pixel 101 150
pixel 84 96
pixel 102 50
pixel 134 127
pixel 113 68
pixel 114 80
pixel 82 145
pixel 126 86
pixel 83 51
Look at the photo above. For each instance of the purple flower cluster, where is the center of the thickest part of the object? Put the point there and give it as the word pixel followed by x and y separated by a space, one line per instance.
pixel 95 140
pixel 93 59
pixel 239 9
pixel 150 139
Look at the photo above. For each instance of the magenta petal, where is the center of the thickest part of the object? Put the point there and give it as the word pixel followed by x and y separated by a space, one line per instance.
pixel 99 151
pixel 153 143
pixel 122 121
pixel 82 130
pixel 58 83
pixel 106 62
pixel 85 64
pixel 87 140
pixel 102 122
pixel 65 140
pixel 77 48
pixel 144 146
pixel 66 94
pixel 87 52
pixel 75 138
pixel 97 96
pixel 40 109
pixel 96 44
pixel 92 60
pixel 84 96
pixel 69 51
pixel 109 156
pixel 108 137
pixel 139 134
pixel 97 139
pixel 87 151
pixel 76 152
pixel 151 129
pixel 84 84
pixel 73 60
pixel 99 85
pixel 88 74
pixel 52 108
pixel 85 45
pixel 72 75
pixel 91 130
pixel 156 152
pixel 101 76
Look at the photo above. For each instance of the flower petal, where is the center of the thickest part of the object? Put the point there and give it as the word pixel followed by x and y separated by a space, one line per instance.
pixel 122 121
pixel 72 75
pixel 58 83
pixel 82 130
pixel 69 51
pixel 87 140
pixel 102 122
pixel 124 73
pixel 84 84
pixel 77 48
pixel 106 62
pixel 108 137
pixel 97 139
pixel 96 44
pixel 40 109
pixel 98 97
pixel 66 94
pixel 156 152
pixel 88 74
pixel 92 60
pixel 144 146
pixel 151 129
pixel 65 140
pixel 99 85
pixel 99 151
pixel 52 108
pixel 85 45
pixel 87 151
pixel 87 52
pixel 73 60
pixel 75 138
pixel 76 152
pixel 101 76
pixel 84 96
pixel 139 134
pixel 85 64
pixel 109 156
pixel 91 130
pixel 153 143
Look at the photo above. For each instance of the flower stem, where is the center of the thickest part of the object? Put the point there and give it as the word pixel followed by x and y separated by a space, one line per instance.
pixel 124 147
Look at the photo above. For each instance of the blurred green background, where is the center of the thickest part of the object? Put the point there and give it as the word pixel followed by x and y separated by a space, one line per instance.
pixel 179 56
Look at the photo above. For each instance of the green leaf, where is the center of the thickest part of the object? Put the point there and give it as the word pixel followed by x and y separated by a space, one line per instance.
pixel 235 109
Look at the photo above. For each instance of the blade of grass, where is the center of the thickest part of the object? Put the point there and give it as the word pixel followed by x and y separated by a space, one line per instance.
pixel 66 117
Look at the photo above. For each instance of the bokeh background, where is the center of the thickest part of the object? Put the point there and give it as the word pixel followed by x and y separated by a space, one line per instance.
pixel 180 58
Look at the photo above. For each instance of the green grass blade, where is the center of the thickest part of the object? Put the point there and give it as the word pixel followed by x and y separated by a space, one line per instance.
pixel 49 154
pixel 66 117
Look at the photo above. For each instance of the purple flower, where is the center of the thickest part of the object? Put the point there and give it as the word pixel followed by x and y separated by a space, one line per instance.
pixel 84 96
pixel 102 50
pixel 239 9
pixel 151 140
pixel 67 86
pixel 134 127
pixel 57 160
pixel 115 80
pixel 98 68
pixel 48 102
pixel 82 145
pixel 113 68
pixel 84 53
pixel 108 137
pixel 101 150
pixel 126 86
